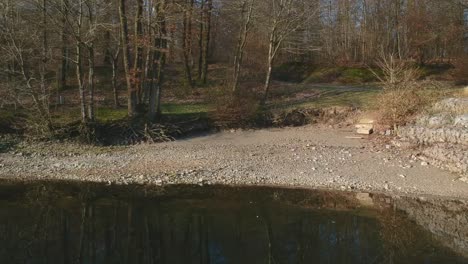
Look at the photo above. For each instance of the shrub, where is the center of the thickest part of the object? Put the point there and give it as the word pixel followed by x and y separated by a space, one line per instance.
pixel 356 75
pixel 461 71
pixel 344 75
pixel 399 106
pixel 234 109
pixel 292 71
pixel 403 95
pixel 324 75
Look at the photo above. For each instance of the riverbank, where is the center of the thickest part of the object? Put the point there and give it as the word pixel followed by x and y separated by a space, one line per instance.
pixel 309 157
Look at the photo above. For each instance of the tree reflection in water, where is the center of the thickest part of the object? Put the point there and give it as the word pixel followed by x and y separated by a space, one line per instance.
pixel 66 223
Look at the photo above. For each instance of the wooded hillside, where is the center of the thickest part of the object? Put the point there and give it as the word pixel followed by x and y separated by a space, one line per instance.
pixel 136 47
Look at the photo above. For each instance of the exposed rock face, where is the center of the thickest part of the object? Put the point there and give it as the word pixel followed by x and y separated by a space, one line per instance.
pixel 453 158
pixel 452 105
pixel 462 121
pixel 442 135
pixel 447 220
pixel 428 136
pixel 365 126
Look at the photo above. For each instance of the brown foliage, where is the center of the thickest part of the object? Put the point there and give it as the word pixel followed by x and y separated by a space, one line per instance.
pixel 234 109
pixel 404 95
pixel 400 105
pixel 461 72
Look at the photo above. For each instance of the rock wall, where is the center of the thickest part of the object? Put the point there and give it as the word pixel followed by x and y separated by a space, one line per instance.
pixel 441 135
pixel 447 220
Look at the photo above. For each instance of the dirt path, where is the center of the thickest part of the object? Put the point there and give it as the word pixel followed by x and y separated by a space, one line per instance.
pixel 307 157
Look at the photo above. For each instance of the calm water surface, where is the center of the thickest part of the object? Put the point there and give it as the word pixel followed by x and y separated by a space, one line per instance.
pixel 76 223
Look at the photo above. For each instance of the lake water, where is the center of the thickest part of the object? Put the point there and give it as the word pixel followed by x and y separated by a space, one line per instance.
pixel 87 223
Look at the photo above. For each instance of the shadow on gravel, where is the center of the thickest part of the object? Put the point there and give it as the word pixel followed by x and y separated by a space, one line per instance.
pixel 7 144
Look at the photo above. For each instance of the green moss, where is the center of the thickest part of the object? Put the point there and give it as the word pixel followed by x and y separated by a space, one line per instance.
pixel 323 75
pixel 434 69
pixel 292 71
pixel 6 115
pixel 335 96
pixel 109 114
pixel 357 75
pixel 7 118
pixel 106 114
pixel 345 75
pixel 175 109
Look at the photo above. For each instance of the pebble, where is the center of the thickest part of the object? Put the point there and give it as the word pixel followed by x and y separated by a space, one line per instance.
pixel 463 179
pixel 233 166
pixel 424 164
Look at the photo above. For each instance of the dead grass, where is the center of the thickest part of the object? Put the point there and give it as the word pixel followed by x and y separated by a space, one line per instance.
pixel 397 107
pixel 233 109
pixel 324 96
pixel 403 94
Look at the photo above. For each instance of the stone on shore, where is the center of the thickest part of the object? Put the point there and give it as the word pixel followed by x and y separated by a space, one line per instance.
pixel 362 131
pixel 365 126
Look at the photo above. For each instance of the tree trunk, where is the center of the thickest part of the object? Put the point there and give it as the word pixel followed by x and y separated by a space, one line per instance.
pixel 152 93
pixel 91 82
pixel 206 47
pixel 138 63
pixel 161 47
pixel 64 68
pixel 267 82
pixel 187 42
pixel 79 78
pixel 114 63
pixel 200 40
pixel 242 41
pixel 132 93
pixel 79 66
pixel 149 54
pixel 271 55
pixel 43 69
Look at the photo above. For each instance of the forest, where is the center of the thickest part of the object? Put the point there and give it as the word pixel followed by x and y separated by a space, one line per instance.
pixel 233 131
pixel 87 62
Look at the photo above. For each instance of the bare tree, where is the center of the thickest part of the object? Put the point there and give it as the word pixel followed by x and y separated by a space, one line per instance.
pixel 131 91
pixel 247 7
pixel 138 47
pixel 286 17
pixel 206 38
pixel 20 49
pixel 159 60
pixel 187 40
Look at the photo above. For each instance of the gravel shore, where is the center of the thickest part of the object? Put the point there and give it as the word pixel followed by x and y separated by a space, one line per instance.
pixel 309 157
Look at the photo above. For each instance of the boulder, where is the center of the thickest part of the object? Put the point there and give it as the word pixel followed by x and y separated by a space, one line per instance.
pixel 364 131
pixel 365 126
pixel 366 121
